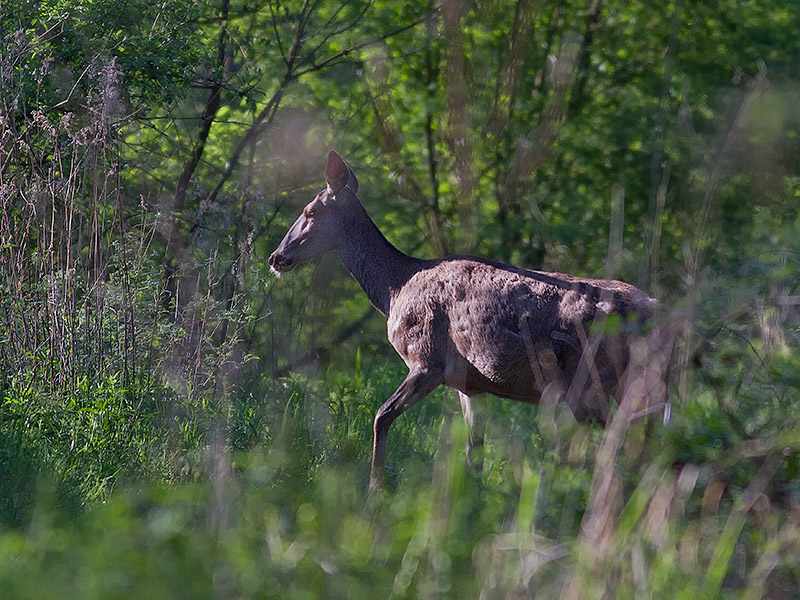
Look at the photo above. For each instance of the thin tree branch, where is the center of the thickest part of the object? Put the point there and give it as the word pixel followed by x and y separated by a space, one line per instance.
pixel 578 96
pixel 262 120
pixel 277 34
pixel 378 38
pixel 338 31
pixel 206 120
pixel 175 244
pixel 267 114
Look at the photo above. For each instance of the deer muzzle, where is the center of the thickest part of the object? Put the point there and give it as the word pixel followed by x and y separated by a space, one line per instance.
pixel 279 263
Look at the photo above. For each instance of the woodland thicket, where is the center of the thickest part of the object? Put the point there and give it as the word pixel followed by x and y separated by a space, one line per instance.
pixel 175 422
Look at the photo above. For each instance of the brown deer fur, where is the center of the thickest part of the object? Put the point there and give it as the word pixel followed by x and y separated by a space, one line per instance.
pixel 477 325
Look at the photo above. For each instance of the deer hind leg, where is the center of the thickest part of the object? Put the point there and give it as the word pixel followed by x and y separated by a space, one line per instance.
pixel 418 383
pixel 474 410
pixel 585 394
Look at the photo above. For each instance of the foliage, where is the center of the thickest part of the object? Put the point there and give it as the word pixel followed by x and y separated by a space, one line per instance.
pixel 287 516
pixel 176 422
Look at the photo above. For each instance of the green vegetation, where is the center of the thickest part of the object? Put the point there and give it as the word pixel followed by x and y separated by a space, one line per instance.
pixel 174 422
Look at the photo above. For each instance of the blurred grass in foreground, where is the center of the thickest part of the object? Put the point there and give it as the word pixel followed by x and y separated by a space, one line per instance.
pixel 270 502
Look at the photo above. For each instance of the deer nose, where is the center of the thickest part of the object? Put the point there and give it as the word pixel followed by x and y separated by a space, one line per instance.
pixel 279 262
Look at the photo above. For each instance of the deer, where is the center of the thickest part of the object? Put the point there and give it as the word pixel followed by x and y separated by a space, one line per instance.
pixel 481 326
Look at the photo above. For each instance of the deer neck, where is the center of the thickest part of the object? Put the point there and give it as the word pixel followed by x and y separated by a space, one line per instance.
pixel 378 267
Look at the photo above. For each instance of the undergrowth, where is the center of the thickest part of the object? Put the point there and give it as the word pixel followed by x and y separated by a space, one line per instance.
pixel 266 497
pixel 150 445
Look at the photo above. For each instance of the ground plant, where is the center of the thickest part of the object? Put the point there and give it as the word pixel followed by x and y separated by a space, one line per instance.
pixel 175 423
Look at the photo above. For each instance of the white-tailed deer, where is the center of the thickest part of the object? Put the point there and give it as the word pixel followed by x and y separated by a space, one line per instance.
pixel 481 326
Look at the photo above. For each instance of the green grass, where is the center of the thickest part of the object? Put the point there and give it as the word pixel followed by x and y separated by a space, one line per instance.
pixel 122 494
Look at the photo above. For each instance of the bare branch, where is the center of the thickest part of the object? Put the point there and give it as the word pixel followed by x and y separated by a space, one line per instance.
pixel 330 20
pixel 277 35
pixel 206 120
pixel 338 31
pixel 267 114
pixel 264 118
pixel 378 38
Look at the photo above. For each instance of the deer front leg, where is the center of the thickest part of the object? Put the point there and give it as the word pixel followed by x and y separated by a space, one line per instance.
pixel 474 410
pixel 418 383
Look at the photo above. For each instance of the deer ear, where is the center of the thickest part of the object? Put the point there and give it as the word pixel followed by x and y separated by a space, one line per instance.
pixel 337 173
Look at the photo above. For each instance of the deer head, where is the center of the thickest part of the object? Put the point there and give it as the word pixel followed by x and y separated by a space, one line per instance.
pixel 317 229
